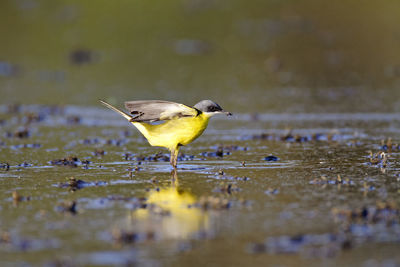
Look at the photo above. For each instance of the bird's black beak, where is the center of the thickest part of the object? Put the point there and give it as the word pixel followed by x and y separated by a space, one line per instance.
pixel 223 112
pixel 226 113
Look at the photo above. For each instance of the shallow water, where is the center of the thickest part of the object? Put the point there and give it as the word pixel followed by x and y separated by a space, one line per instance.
pixel 293 184
pixel 239 208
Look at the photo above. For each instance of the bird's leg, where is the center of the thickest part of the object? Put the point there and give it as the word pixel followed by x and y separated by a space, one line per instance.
pixel 171 158
pixel 174 157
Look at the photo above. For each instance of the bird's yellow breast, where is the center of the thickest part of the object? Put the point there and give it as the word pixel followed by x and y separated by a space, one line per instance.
pixel 170 134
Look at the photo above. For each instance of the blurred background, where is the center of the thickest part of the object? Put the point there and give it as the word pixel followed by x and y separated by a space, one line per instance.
pixel 249 56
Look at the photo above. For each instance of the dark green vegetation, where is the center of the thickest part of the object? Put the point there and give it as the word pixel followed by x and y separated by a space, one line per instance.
pixel 90 191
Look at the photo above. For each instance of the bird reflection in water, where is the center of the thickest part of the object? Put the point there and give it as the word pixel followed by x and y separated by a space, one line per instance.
pixel 170 214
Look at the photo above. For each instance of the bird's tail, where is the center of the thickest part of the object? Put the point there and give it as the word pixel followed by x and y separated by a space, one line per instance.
pixel 123 114
pixel 143 128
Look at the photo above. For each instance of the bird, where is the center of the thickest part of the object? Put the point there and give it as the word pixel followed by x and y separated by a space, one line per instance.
pixel 169 124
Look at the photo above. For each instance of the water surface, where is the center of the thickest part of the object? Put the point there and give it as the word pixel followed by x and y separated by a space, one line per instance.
pixel 276 189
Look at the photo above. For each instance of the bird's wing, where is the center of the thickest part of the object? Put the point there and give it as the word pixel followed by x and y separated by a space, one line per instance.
pixel 158 110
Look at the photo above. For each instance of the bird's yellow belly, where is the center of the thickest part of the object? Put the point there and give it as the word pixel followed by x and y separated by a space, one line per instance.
pixel 173 133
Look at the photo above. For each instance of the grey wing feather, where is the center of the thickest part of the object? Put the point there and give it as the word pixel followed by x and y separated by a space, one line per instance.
pixel 158 110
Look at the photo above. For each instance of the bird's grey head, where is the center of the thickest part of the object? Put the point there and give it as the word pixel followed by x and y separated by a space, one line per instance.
pixel 210 107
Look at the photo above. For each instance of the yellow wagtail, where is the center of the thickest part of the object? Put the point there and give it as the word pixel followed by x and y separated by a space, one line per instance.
pixel 183 124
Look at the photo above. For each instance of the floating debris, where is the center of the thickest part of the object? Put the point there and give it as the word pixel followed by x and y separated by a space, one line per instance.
pixel 380 159
pixel 220 175
pixel 132 203
pixel 271 158
pixel 231 148
pixel 33 117
pixel 385 213
pixel 218 153
pixel 116 142
pixel 126 133
pixel 13 108
pixel 132 170
pixel 388 146
pixel 99 152
pixel 5 166
pixel 24 164
pixel 87 141
pixel 367 188
pixel 263 136
pixel 228 188
pixel 290 137
pixel 71 161
pixel 158 157
pixel 271 191
pixel 129 156
pixel 73 120
pixel 5 237
pixel 223 150
pixel 313 245
pixel 67 207
pixel 122 237
pixel 21 133
pixel 83 56
pixel 74 184
pixel 339 179
pixel 213 203
pixel 18 198
pixel 354 143
pixel 26 146
pixel 323 180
